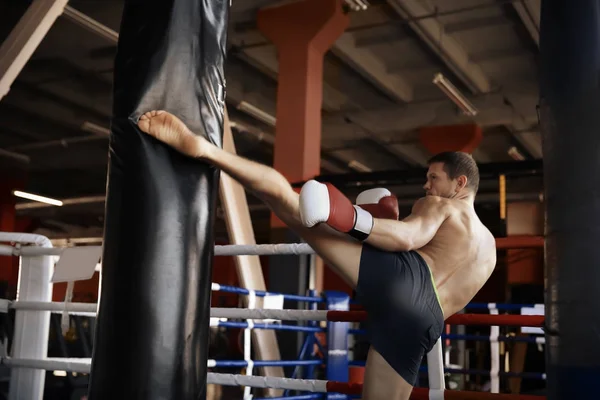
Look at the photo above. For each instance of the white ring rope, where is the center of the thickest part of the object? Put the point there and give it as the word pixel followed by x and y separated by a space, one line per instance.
pixel 305 385
pixel 215 312
pixel 83 365
pixel 264 249
pixel 219 250
pixel 79 365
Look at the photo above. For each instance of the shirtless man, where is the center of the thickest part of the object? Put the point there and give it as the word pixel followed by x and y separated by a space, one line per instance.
pixel 409 275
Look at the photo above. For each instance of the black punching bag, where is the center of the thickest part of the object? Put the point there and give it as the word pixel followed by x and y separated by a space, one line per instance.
pixel 570 121
pixel 152 332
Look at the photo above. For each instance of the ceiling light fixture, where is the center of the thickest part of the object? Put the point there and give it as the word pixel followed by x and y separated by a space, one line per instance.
pixel 35 197
pixel 454 94
pixel 358 166
pixel 357 5
pixel 516 154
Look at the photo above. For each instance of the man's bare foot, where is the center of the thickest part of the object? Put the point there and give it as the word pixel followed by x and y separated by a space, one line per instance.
pixel 169 129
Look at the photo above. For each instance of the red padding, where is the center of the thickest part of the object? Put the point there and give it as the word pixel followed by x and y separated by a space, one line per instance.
pixel 346 316
pixel 345 388
pixel 423 393
pixel 519 242
pixel 500 320
pixel 457 319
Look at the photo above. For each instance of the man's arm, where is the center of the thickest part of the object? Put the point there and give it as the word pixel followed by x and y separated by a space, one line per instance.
pixel 413 232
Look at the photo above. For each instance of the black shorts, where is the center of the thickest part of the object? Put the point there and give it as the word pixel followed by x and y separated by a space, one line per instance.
pixel 405 318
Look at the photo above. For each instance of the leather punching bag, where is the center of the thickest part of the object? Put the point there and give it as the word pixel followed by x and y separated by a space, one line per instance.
pixel 154 311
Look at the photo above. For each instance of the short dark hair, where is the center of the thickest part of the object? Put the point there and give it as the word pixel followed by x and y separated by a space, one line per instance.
pixel 457 163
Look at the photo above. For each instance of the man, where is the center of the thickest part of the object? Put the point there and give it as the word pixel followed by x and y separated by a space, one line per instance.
pixel 409 275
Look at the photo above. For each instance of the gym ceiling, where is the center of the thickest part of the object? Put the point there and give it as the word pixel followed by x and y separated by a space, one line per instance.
pixel 378 90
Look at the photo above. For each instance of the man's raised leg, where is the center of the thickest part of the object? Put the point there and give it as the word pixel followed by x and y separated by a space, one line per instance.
pixel 339 251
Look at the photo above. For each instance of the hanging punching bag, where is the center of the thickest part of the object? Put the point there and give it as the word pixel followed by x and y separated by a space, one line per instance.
pixel 154 311
pixel 570 126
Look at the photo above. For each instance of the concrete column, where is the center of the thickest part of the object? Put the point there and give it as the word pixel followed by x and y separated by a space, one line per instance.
pixel 302 31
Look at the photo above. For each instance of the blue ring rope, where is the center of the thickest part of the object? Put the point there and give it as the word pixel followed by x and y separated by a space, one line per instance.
pixel 262 293
pixel 264 363
pixel 276 327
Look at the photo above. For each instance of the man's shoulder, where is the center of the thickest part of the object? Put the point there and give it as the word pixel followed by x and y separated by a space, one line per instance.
pixel 432 203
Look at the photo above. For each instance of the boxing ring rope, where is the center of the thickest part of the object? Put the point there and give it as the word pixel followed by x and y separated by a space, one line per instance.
pixel 264 249
pixel 291 315
pixel 304 385
pixel 26 304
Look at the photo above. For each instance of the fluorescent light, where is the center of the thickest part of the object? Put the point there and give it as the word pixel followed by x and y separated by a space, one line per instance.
pixel 257 113
pixel 35 197
pixel 358 166
pixel 452 92
pixel 516 154
pixel 59 373
pixel 357 5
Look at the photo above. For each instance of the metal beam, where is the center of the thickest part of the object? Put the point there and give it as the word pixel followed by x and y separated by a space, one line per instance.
pixel 90 24
pixel 447 48
pixel 236 95
pixel 529 11
pixel 53 107
pixel 24 39
pixel 264 58
pixel 391 122
pixel 372 68
pixel 516 169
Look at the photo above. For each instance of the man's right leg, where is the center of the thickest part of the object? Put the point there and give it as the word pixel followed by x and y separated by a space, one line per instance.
pixel 339 251
pixel 381 381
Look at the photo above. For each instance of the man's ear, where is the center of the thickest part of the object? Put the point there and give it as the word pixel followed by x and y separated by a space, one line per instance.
pixel 461 182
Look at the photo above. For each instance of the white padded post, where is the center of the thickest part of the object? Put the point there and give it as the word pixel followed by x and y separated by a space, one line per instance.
pixel 31 327
pixel 494 353
pixel 248 343
pixel 435 371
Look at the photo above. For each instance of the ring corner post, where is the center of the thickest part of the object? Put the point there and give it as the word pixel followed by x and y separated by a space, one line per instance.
pixel 337 341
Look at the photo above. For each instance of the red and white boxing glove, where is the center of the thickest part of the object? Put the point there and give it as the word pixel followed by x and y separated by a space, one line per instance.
pixel 379 202
pixel 322 202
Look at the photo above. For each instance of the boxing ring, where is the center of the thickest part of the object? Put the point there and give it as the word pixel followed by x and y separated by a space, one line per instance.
pixel 40 265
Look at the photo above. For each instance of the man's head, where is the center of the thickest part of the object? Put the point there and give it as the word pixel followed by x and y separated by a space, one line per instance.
pixel 451 174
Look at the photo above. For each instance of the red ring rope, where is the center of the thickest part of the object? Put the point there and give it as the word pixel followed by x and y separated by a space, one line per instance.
pixel 500 320
pixel 423 393
pixel 457 319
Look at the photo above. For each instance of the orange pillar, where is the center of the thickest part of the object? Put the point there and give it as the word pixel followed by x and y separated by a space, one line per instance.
pixel 302 32
pixel 437 139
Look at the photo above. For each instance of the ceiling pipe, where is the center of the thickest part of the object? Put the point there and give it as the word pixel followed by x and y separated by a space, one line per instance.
pixel 22 158
pixel 58 143
pixel 529 168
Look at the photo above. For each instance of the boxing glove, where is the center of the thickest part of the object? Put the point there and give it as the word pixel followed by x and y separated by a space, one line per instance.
pixel 379 202
pixel 323 203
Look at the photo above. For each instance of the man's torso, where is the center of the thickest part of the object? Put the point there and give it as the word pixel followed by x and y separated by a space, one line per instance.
pixel 461 256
